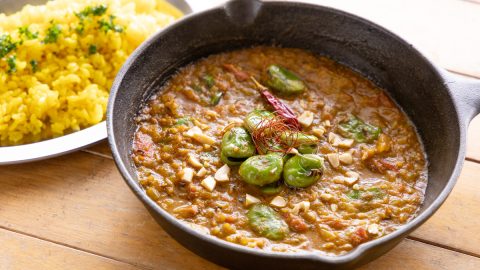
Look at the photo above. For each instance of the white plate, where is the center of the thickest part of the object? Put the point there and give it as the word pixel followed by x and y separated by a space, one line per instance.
pixel 67 143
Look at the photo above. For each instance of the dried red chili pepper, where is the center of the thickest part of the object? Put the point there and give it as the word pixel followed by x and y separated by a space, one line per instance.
pixel 280 108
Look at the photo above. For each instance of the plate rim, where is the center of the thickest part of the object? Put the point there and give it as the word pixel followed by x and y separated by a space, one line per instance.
pixel 70 142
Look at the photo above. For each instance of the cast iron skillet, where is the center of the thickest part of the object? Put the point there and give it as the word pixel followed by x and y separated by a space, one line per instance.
pixel 439 104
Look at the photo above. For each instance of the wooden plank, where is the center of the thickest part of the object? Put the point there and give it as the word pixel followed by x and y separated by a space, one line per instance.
pixel 454 224
pixel 101 149
pixel 473 139
pixel 446 35
pixel 80 200
pixel 419 256
pixel 23 252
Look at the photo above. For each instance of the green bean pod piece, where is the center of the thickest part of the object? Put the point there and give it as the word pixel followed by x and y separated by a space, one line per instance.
pixel 303 170
pixel 266 222
pixel 262 170
pixel 237 146
pixel 284 81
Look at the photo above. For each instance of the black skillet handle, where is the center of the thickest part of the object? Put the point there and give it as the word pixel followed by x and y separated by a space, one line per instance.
pixel 466 93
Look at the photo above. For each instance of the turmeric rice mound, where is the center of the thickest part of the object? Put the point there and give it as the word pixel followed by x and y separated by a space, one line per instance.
pixel 58 62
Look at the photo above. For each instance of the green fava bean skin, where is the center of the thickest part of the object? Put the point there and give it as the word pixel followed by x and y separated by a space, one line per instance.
pixel 255 118
pixel 262 169
pixel 266 222
pixel 284 81
pixel 307 148
pixel 298 138
pixel 303 170
pixel 273 188
pixel 237 146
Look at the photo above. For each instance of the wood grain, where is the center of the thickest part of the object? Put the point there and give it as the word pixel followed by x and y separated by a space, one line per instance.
pixel 456 222
pixel 442 29
pixel 473 139
pixel 419 256
pixel 19 252
pixel 80 200
pixel 78 213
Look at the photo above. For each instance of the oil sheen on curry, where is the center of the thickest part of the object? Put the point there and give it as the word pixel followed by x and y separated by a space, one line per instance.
pixel 279 149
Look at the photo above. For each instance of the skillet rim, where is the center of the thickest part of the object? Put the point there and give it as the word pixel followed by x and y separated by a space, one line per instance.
pixel 350 257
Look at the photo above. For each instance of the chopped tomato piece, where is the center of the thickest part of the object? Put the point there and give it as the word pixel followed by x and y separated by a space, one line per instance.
pixel 359 236
pixel 239 75
pixel 296 223
pixel 143 145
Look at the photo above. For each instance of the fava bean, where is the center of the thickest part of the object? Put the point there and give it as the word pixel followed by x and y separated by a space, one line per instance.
pixel 255 118
pixel 273 188
pixel 303 170
pixel 284 81
pixel 266 222
pixel 262 169
pixel 237 146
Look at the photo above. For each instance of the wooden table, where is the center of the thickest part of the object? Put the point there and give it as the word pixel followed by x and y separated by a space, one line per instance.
pixel 75 211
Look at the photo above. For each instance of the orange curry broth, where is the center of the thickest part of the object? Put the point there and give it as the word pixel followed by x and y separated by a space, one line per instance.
pixel 340 215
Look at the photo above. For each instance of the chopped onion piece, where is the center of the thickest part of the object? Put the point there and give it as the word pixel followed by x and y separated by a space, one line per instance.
pixel 209 183
pixel 249 200
pixel 278 202
pixel 187 174
pixel 223 173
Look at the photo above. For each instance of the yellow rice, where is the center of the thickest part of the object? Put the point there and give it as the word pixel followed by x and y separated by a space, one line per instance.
pixel 67 90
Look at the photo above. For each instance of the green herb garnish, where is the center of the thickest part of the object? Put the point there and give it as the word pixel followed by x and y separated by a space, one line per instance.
pixel 358 130
pixel 24 31
pixel 215 99
pixel 354 194
pixel 182 121
pixel 34 65
pixel 92 49
pixel 52 33
pixel 209 80
pixel 80 28
pixel 371 193
pixel 12 64
pixel 6 45
pixel 109 25
pixel 95 11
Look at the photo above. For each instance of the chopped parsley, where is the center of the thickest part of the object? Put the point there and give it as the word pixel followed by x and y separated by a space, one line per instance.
pixel 109 25
pixel 80 28
pixel 34 65
pixel 24 31
pixel 12 64
pixel 6 45
pixel 92 11
pixel 92 49
pixel 52 33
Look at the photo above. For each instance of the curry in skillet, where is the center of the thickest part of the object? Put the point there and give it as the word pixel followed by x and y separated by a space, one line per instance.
pixel 280 149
